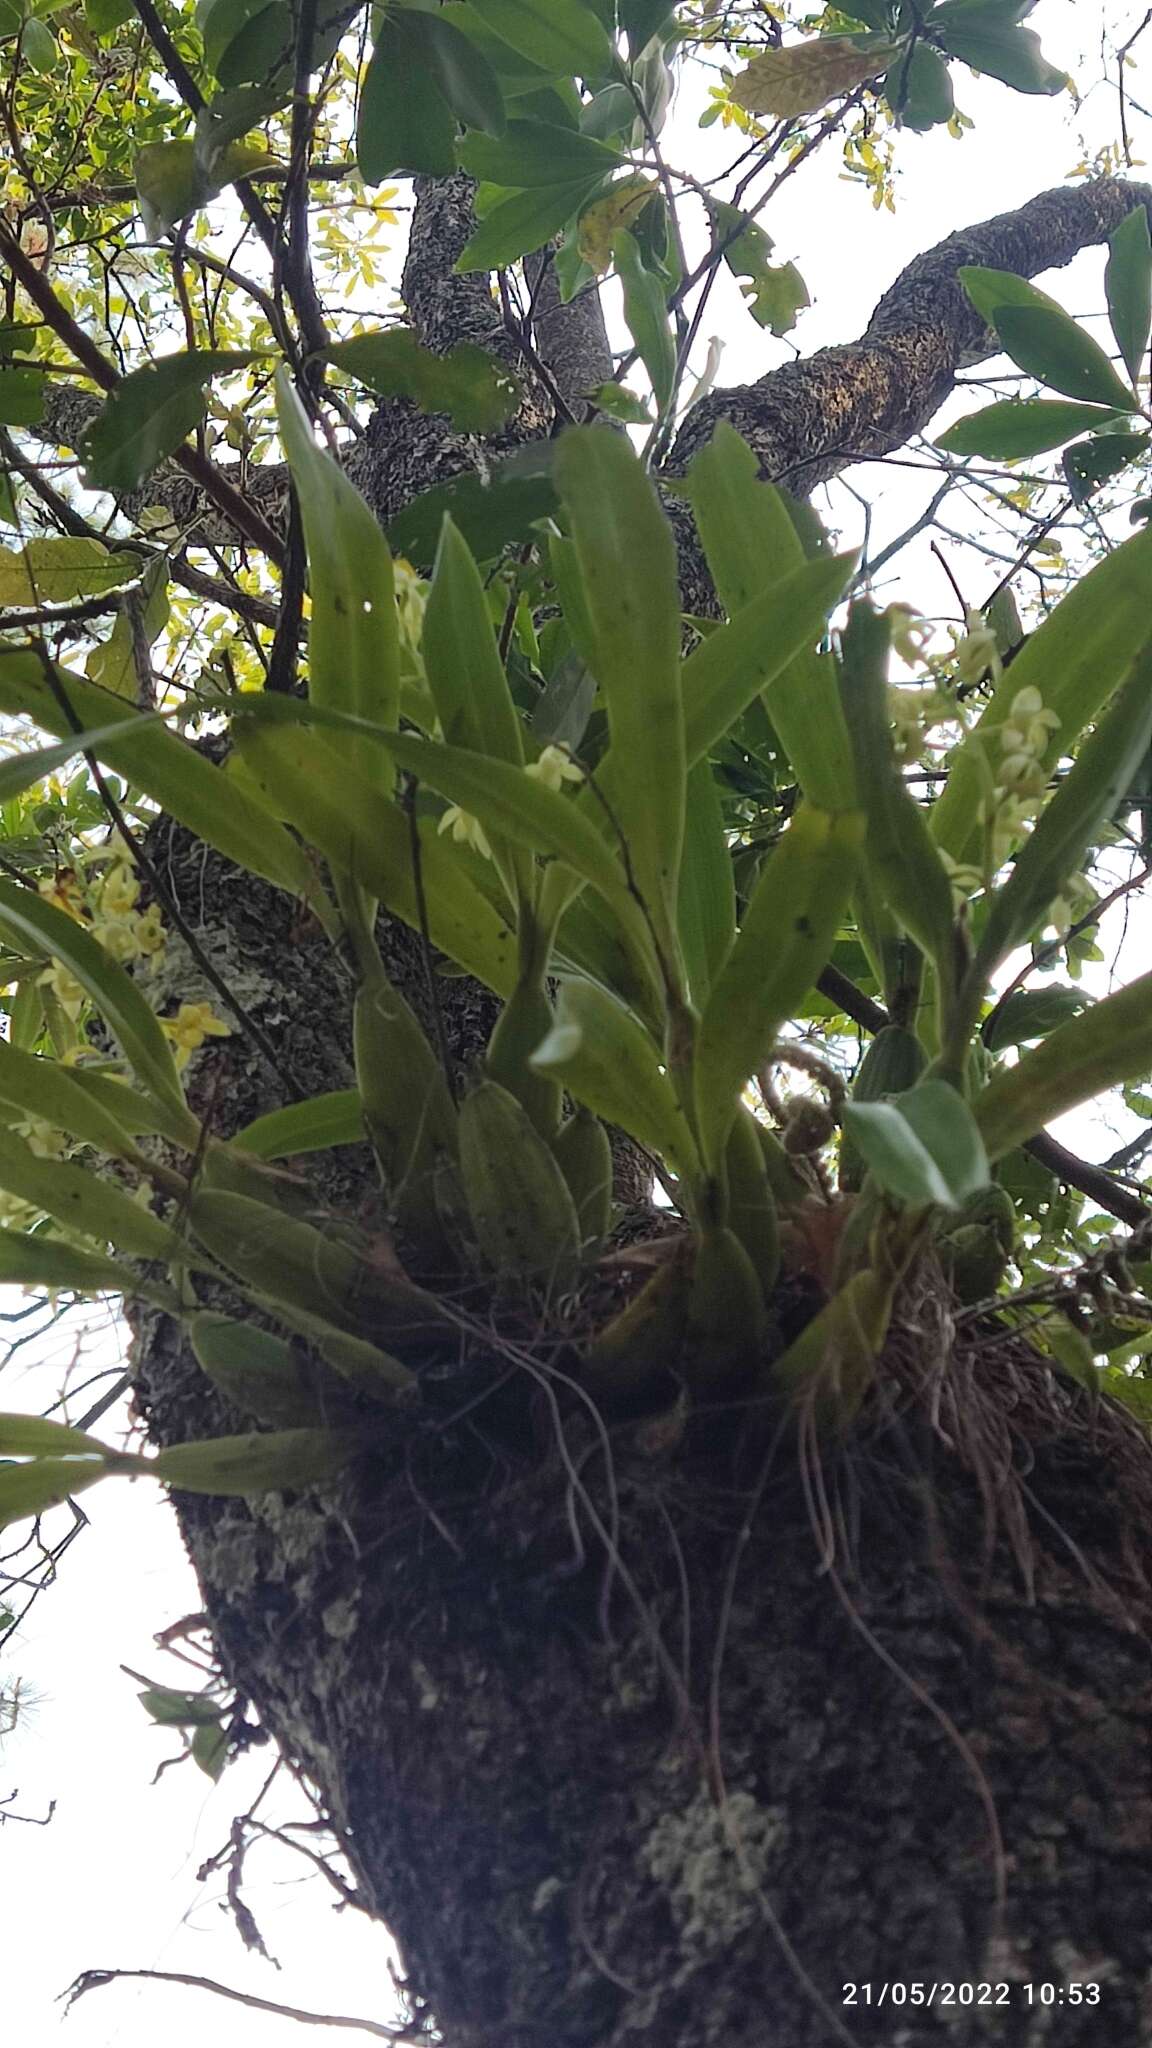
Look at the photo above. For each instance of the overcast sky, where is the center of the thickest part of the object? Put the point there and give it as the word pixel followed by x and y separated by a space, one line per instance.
pixel 112 1881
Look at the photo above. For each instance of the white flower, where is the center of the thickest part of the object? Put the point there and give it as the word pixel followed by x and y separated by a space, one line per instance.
pixel 976 653
pixel 466 830
pixel 911 633
pixel 554 768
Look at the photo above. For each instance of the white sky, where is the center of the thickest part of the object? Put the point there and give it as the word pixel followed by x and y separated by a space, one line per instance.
pixel 112 1881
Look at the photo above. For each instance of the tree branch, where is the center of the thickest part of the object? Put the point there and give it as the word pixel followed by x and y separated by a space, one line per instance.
pixel 810 419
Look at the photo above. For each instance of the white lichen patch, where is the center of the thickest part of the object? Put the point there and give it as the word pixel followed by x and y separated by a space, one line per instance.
pixel 341 1617
pixel 710 1864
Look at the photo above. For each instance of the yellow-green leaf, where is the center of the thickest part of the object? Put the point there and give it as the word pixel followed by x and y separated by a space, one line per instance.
pixel 786 937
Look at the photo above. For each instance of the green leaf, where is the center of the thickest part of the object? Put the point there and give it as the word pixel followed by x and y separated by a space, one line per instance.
pixel 53 571
pixel 1128 286
pixel 773 293
pixel 112 663
pixel 752 547
pixel 34 1436
pixel 210 1750
pixel 78 1199
pixel 172 1709
pixel 353 634
pixel 43 1261
pixel 923 1147
pixel 901 855
pixel 627 559
pixel 525 222
pixel 149 414
pixel 1070 821
pixel 21 396
pixel 1075 659
pixel 640 20
pixel 27 1490
pixel 103 17
pixel 463 73
pixel 1032 1013
pixel 621 404
pixel 533 153
pixel 785 939
pixel 190 788
pixel 340 812
pixel 919 90
pixel 564 38
pixel 405 125
pixel 263 1375
pixel 63 1097
pixel 462 661
pixel 706 910
pixel 325 1120
pixel 276 1462
pixel 1108 1044
pixel 608 1061
pixel 491 512
pixel 981 37
pixel 1020 427
pixel 20 771
pixel 472 387
pixel 174 179
pixel 1089 464
pixel 505 799
pixel 42 928
pixel 1053 348
pixel 989 290
pixel 726 671
pixel 646 315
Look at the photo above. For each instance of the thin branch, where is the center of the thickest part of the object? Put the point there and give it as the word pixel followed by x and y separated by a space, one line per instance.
pixel 95 1980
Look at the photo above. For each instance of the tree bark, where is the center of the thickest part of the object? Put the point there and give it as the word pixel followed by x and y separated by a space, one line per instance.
pixel 657 1736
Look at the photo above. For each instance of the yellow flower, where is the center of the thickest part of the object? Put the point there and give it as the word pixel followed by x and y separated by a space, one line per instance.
pixel 43 1138
pixel 119 891
pixel 117 937
pixel 465 829
pixel 150 932
pixel 976 652
pixel 192 1024
pixel 554 768
pixel 911 633
pixel 68 992
pixel 63 891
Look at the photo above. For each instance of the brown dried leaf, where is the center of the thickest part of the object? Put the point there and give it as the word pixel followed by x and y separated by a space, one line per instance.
pixel 801 79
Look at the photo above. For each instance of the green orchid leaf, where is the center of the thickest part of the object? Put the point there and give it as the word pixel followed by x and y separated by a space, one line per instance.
pixel 785 938
pixel 353 635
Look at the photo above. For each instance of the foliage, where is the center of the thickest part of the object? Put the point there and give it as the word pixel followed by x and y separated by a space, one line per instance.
pixel 651 838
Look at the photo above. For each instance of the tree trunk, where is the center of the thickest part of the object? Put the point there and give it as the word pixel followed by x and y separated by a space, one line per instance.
pixel 655 1735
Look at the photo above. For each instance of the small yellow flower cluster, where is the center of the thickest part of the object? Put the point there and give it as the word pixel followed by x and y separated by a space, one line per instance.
pixel 554 768
pixel 975 652
pixel 192 1024
pixel 123 931
pixel 1021 777
pixel 1024 742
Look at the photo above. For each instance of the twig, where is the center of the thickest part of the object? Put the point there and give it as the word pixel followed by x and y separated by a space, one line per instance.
pixel 95 1980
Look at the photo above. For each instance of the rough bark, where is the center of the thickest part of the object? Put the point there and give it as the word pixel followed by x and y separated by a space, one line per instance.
pixel 655 1737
